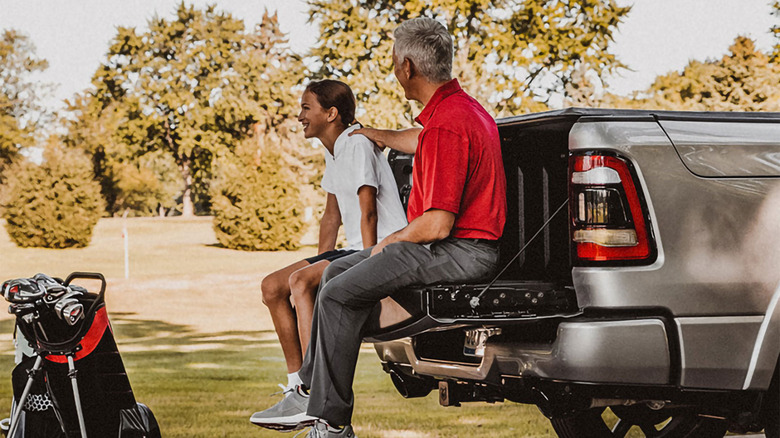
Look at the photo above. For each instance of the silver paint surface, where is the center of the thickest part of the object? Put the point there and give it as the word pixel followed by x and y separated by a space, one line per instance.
pixel 716 351
pixel 634 351
pixel 718 239
pixel 718 149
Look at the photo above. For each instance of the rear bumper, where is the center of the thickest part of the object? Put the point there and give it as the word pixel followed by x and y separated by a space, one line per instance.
pixel 582 351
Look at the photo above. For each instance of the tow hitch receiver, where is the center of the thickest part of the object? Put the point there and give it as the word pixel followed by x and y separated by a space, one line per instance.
pixel 476 340
pixel 453 393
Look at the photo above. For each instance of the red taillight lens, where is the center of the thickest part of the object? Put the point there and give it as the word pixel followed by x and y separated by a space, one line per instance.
pixel 608 222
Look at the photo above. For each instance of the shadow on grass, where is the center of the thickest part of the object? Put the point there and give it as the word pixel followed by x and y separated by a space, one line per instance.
pixel 152 334
pixel 208 385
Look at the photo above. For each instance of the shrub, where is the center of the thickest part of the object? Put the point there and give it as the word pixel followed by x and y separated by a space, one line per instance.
pixel 256 203
pixel 55 204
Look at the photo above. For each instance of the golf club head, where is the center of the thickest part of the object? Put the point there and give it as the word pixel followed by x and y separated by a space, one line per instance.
pixel 72 312
pixel 54 293
pixel 76 288
pixel 22 290
pixel 21 309
pixel 65 300
pixel 45 280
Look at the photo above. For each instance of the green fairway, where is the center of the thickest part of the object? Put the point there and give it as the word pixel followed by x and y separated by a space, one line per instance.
pixel 199 346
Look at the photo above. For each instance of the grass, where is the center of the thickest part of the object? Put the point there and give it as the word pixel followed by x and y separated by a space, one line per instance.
pixel 199 346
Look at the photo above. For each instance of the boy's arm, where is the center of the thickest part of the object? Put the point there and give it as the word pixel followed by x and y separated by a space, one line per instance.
pixel 368 215
pixel 329 225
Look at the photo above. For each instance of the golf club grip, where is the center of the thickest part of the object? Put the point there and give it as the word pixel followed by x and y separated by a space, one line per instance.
pixel 88 276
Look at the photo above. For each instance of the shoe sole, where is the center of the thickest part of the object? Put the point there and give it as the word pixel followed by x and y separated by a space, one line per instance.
pixel 284 426
pixel 280 428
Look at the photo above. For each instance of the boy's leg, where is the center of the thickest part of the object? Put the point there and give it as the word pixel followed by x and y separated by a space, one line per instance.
pixel 276 296
pixel 303 286
pixel 290 413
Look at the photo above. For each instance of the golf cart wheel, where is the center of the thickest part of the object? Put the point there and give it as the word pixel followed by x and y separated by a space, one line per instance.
pixel 664 423
pixel 771 408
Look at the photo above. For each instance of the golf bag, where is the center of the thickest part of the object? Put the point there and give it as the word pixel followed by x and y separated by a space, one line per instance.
pixel 70 382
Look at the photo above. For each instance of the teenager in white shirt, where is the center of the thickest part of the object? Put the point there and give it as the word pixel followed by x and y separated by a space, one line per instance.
pixel 362 194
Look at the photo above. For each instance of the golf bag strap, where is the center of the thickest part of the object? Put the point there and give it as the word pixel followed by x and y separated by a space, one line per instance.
pixel 91 338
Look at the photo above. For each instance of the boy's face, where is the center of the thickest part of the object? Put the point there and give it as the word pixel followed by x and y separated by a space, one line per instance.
pixel 313 116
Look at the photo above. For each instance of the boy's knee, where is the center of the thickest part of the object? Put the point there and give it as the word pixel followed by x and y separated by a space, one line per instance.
pixel 273 290
pixel 302 283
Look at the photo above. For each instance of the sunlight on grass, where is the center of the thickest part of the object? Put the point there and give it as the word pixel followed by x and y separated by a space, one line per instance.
pixel 199 346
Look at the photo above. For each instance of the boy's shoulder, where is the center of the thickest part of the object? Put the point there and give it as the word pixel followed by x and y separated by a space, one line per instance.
pixel 355 141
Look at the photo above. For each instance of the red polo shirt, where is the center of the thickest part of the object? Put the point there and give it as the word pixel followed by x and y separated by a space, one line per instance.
pixel 458 165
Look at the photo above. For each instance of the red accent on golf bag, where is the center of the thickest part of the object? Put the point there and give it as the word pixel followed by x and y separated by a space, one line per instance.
pixel 90 340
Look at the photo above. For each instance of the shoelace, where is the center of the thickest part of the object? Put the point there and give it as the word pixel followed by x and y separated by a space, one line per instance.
pixel 285 390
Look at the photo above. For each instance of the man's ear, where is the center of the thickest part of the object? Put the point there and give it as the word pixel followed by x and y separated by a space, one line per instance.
pixel 408 68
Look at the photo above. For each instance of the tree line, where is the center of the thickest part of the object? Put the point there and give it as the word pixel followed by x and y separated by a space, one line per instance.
pixel 195 114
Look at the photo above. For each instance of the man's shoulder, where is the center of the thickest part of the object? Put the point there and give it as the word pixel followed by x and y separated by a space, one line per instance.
pixel 461 112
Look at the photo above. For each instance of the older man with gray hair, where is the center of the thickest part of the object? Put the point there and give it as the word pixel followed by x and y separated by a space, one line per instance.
pixel 457 210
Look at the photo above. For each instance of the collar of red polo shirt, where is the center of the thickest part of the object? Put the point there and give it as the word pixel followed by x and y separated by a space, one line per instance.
pixel 443 92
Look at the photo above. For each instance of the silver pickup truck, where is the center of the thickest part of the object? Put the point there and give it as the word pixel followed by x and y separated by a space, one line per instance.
pixel 642 255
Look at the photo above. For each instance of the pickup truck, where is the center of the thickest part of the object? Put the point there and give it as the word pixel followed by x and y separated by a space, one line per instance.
pixel 642 277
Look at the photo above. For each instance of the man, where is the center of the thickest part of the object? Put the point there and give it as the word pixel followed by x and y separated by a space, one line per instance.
pixel 456 213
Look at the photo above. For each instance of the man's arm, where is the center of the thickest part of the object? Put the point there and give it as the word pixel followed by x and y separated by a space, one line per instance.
pixel 404 140
pixel 329 225
pixel 368 216
pixel 433 225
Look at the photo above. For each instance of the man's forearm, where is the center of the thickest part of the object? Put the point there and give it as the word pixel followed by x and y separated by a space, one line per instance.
pixel 432 226
pixel 404 140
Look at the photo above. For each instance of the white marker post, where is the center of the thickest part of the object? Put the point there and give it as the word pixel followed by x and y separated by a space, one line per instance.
pixel 126 240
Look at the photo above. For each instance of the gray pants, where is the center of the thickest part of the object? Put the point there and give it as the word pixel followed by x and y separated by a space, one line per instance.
pixel 350 288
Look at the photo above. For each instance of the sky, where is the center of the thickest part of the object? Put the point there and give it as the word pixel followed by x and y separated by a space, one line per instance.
pixel 657 36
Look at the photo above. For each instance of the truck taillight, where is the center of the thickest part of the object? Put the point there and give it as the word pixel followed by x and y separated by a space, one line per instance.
pixel 608 220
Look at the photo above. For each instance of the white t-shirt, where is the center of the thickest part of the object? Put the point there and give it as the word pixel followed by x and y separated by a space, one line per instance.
pixel 358 162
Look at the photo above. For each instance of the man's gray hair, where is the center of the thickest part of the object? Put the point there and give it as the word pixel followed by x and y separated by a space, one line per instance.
pixel 428 45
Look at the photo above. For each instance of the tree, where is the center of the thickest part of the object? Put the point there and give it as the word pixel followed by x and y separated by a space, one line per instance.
pixel 256 201
pixel 193 88
pixel 512 55
pixel 55 204
pixel 142 184
pixel 743 80
pixel 20 113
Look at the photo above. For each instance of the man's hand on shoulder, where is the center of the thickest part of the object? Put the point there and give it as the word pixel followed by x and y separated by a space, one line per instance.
pixel 404 140
pixel 372 134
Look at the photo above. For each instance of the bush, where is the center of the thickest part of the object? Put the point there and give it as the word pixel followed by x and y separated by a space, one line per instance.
pixel 256 203
pixel 53 205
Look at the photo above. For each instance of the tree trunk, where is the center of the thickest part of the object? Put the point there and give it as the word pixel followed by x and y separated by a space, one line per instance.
pixel 188 208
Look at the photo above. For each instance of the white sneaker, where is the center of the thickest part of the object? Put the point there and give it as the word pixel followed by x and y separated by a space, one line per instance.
pixel 322 430
pixel 287 415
